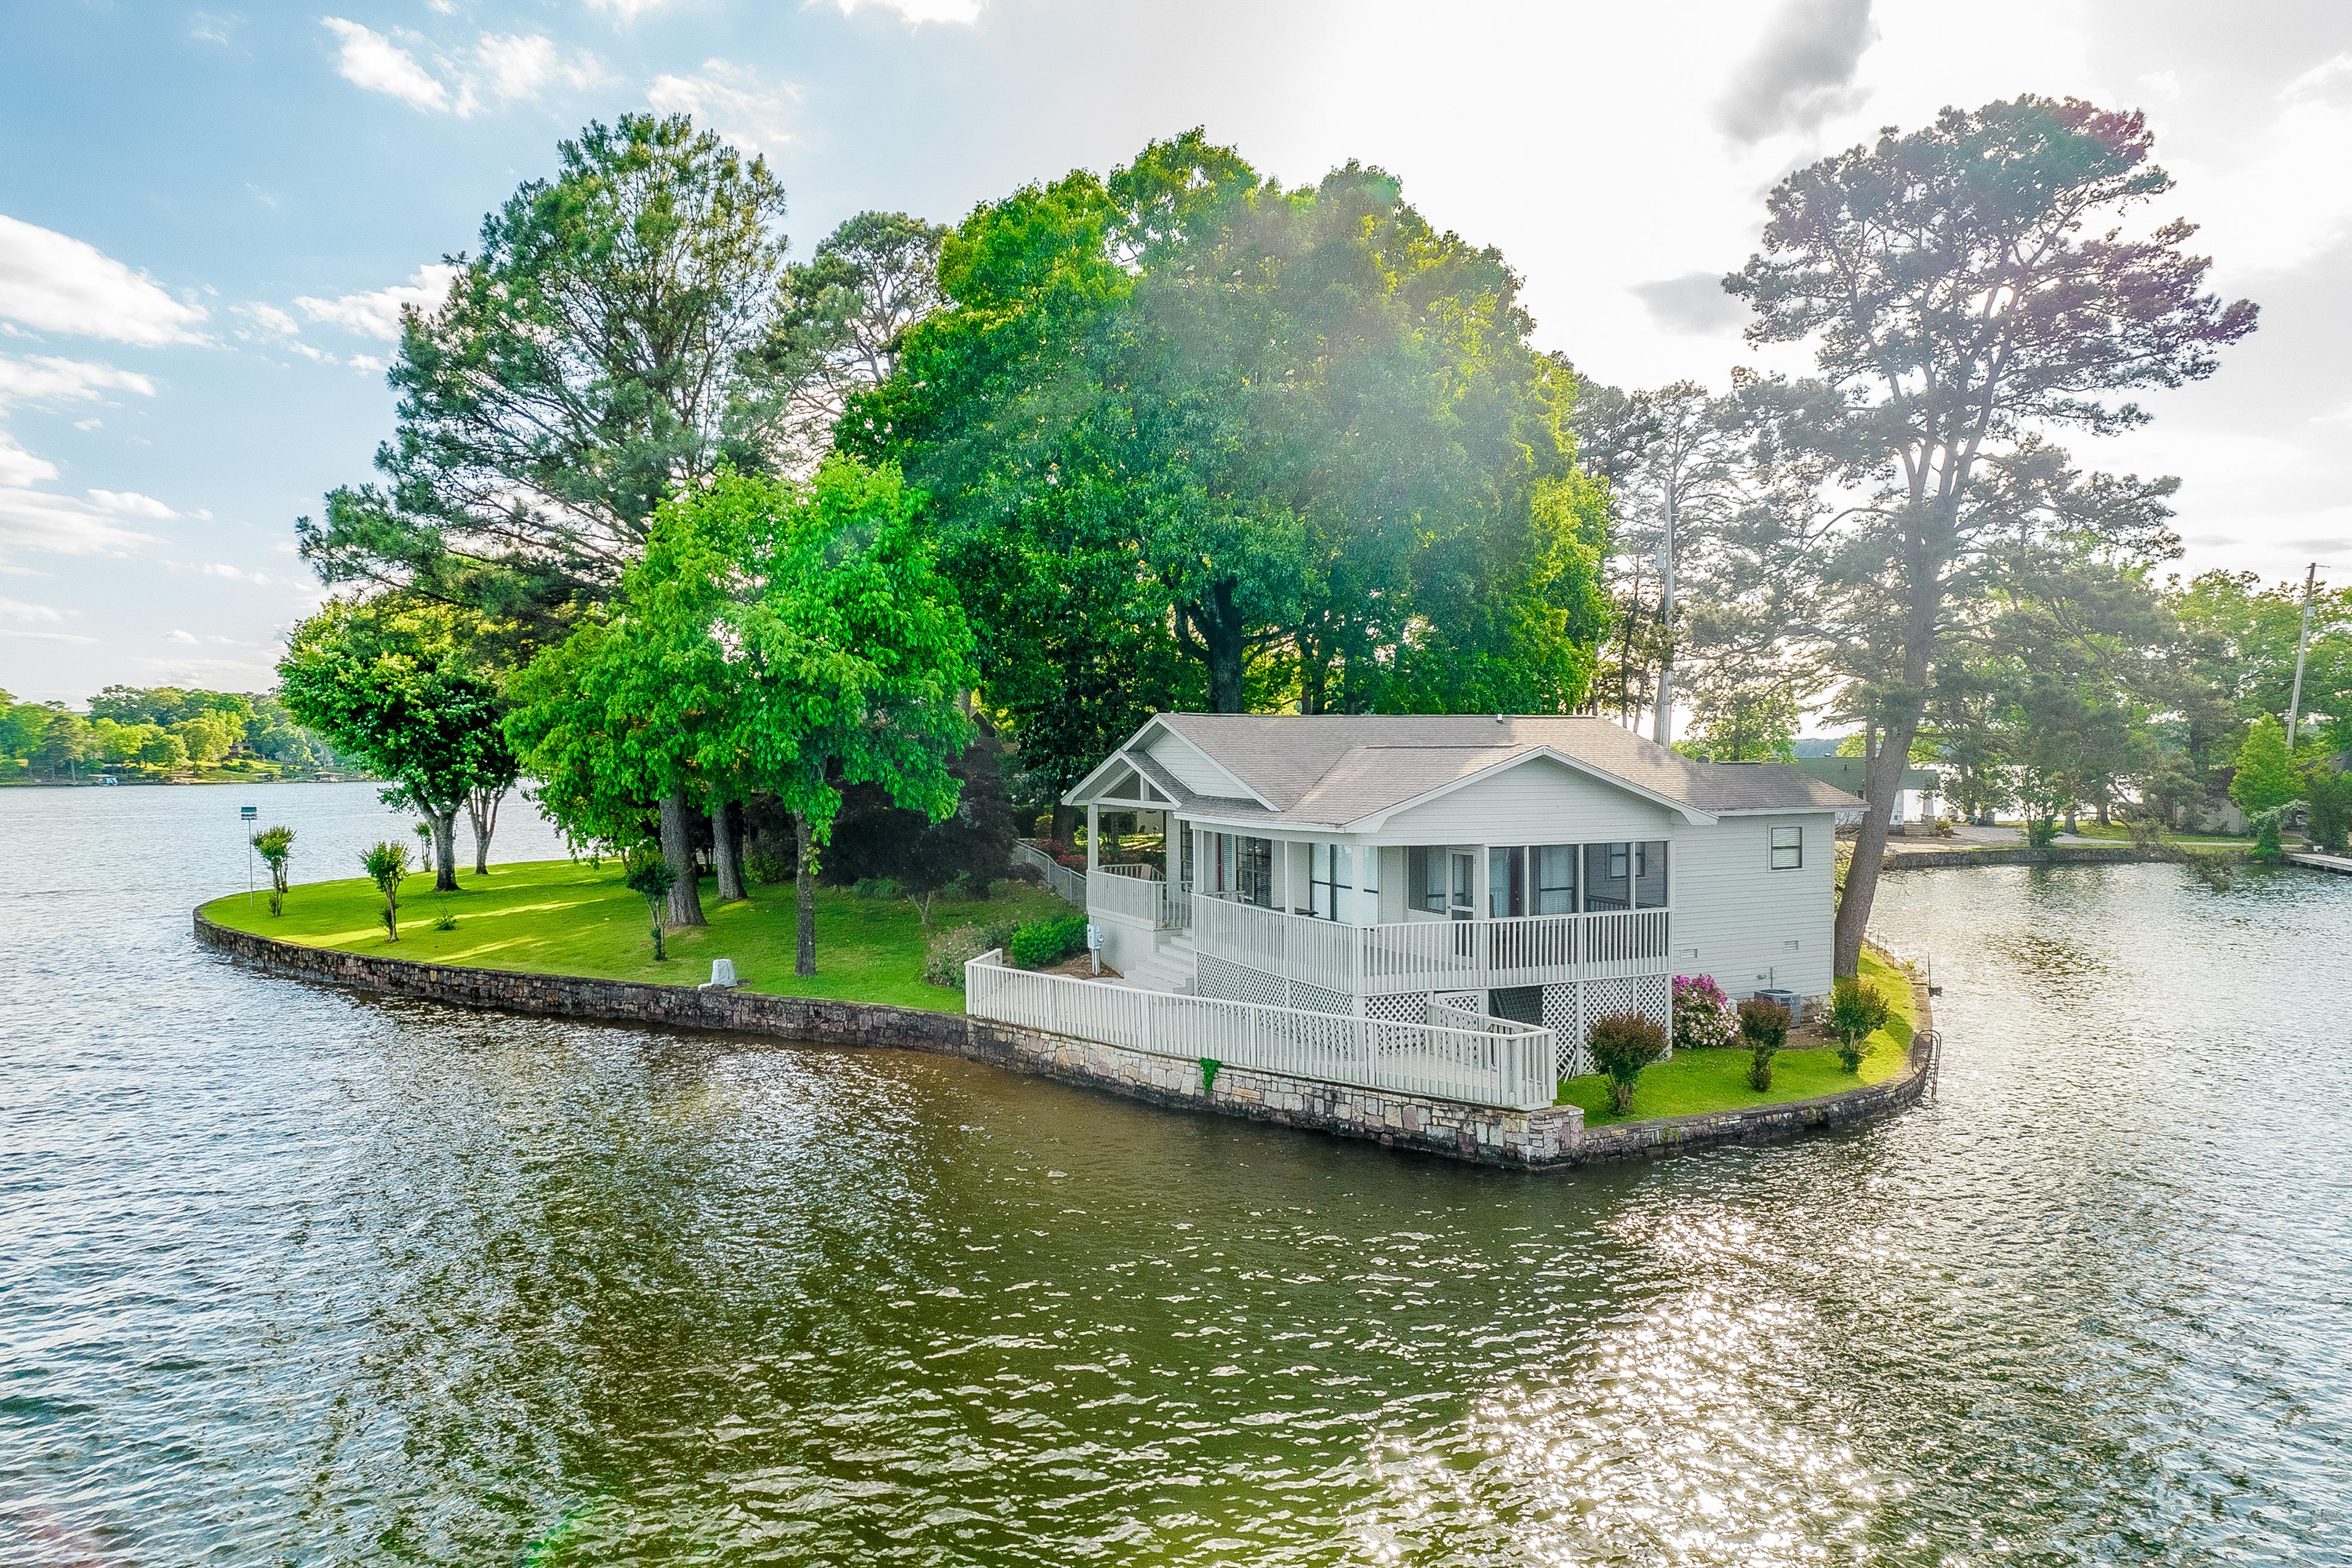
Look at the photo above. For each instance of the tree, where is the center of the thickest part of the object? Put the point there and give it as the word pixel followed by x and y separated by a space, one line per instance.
pixel 783 638
pixel 598 357
pixel 1856 1011
pixel 276 848
pixel 969 845
pixel 1958 310
pixel 841 319
pixel 2265 778
pixel 2240 641
pixel 400 686
pixel 387 863
pixel 1742 717
pixel 209 735
pixel 1197 440
pixel 648 876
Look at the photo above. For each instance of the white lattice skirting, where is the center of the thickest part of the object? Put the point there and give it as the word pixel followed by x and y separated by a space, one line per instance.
pixel 1231 981
pixel 1569 1012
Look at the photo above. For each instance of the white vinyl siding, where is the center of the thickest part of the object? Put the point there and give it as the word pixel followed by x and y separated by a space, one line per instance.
pixel 1736 919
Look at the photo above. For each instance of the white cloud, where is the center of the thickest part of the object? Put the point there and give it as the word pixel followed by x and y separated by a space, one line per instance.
pixel 270 319
pixel 376 313
pixel 369 362
pixel 185 638
pixel 129 503
pixel 93 422
pixel 370 60
pixel 519 66
pixel 734 101
pixel 53 283
pixel 46 379
pixel 2287 201
pixel 626 10
pixel 19 468
pixel 55 524
pixel 218 568
pixel 17 610
pixel 47 636
pixel 913 12
pixel 2162 84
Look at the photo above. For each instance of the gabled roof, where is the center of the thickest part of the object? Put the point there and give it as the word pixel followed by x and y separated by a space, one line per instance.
pixel 1845 773
pixel 1346 769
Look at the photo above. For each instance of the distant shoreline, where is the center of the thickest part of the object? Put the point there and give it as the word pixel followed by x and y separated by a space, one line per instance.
pixel 174 784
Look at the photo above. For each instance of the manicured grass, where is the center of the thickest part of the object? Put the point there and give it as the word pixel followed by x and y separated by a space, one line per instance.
pixel 1697 1082
pixel 559 917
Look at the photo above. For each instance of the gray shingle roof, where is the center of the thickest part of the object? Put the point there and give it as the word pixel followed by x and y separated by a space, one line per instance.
pixel 1335 768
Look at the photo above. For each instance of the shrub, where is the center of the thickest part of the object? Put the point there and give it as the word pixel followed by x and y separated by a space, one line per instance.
pixel 882 889
pixel 950 951
pixel 2330 793
pixel 1855 1010
pixel 2041 832
pixel 1765 1026
pixel 1702 1015
pixel 1622 1043
pixel 649 875
pixel 767 867
pixel 1047 941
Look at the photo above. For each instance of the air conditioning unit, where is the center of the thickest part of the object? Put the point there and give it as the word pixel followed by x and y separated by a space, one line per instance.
pixel 1787 1000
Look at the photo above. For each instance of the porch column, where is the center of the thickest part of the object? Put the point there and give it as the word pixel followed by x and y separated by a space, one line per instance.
pixel 1094 831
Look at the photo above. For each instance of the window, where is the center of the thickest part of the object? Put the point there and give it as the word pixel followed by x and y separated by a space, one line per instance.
pixel 1788 849
pixel 1254 870
pixel 1607 877
pixel 1649 875
pixel 1330 875
pixel 1506 882
pixel 1555 878
pixel 1424 878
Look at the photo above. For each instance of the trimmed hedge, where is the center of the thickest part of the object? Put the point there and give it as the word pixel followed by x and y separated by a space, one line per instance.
pixel 1040 943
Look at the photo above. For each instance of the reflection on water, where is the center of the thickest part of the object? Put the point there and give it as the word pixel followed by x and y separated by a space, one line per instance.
pixel 299 1276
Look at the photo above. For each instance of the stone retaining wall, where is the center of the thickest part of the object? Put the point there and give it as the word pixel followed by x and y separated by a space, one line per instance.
pixel 2021 854
pixel 1553 1138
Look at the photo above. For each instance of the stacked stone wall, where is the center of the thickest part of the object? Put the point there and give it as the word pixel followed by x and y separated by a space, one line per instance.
pixel 1552 1138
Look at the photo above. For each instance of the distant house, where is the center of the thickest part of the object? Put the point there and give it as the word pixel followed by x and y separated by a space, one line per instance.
pixel 1918 801
pixel 1543 870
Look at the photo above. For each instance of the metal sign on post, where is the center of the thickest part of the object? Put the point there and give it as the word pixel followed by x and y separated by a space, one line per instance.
pixel 247 814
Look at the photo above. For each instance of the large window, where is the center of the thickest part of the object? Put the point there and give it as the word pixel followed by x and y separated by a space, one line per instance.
pixel 1555 878
pixel 1607 877
pixel 1254 870
pixel 1331 877
pixel 1506 882
pixel 1424 878
pixel 1788 849
pixel 1649 875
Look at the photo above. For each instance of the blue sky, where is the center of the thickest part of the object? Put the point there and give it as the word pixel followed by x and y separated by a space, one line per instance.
pixel 208 215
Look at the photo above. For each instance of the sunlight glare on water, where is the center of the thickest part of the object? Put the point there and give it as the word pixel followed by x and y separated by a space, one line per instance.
pixel 294 1275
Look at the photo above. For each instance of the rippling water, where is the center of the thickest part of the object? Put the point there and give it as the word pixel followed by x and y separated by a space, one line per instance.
pixel 295 1275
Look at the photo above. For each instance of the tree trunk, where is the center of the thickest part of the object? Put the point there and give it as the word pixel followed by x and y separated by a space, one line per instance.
pixel 2070 817
pixel 677 849
pixel 1065 823
pixel 1220 645
pixel 482 810
pixel 724 859
pixel 1664 722
pixel 735 838
pixel 804 896
pixel 444 850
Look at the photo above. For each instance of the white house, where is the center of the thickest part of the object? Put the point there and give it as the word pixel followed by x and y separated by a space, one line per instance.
pixel 1543 870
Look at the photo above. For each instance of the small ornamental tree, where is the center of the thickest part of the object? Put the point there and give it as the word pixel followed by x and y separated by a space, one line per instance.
pixel 1622 1043
pixel 649 875
pixel 2265 774
pixel 276 848
pixel 1702 1015
pixel 1855 1010
pixel 1765 1026
pixel 2330 794
pixel 386 863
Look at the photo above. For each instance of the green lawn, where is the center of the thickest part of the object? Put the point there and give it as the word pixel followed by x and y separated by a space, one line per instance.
pixel 556 917
pixel 1697 1082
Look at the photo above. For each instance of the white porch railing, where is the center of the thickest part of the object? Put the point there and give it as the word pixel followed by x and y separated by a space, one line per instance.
pixel 1139 891
pixel 1496 1063
pixel 1070 885
pixel 1433 956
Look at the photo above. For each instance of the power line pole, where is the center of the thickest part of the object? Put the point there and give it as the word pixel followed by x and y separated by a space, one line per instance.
pixel 2302 642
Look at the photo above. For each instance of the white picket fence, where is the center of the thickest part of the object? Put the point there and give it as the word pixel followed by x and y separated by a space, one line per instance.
pixel 1070 885
pixel 1493 1062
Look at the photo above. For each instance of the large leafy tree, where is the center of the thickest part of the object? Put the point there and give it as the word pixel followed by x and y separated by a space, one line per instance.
pixel 2241 640
pixel 1196 439
pixel 598 356
pixel 403 688
pixel 779 639
pixel 1966 289
pixel 840 320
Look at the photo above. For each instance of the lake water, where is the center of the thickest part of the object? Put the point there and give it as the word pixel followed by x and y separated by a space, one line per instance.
pixel 293 1276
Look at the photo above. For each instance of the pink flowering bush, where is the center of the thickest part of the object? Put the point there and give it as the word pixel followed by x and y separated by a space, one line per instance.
pixel 1704 1019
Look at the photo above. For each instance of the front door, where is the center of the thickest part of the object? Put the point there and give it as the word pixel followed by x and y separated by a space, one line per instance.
pixel 1463 906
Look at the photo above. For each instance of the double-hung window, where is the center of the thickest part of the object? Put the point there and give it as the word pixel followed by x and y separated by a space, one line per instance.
pixel 1788 849
pixel 1331 878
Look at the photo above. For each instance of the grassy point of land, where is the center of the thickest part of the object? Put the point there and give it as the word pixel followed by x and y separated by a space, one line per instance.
pixel 560 917
pixel 1697 1081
